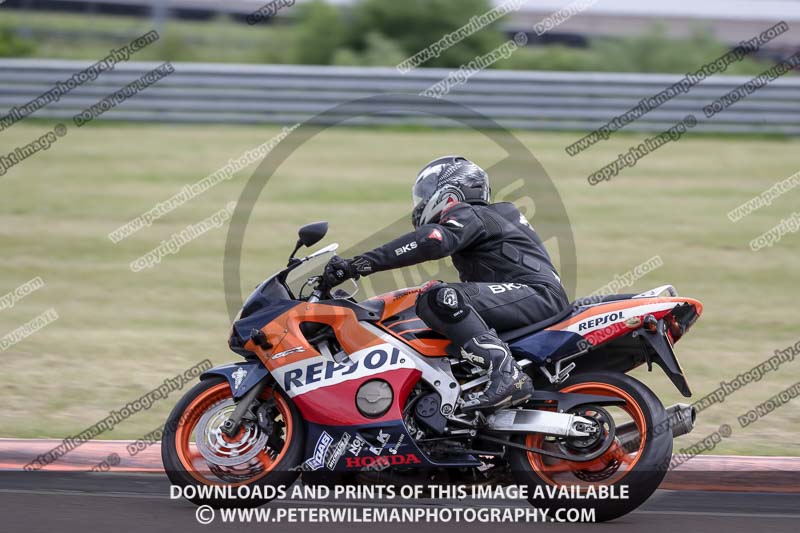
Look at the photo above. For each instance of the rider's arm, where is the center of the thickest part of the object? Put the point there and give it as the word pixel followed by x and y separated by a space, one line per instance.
pixel 458 228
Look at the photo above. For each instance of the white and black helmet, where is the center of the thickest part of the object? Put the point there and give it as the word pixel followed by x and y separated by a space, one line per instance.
pixel 445 180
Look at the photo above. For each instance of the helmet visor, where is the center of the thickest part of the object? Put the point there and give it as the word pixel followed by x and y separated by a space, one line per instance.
pixel 423 188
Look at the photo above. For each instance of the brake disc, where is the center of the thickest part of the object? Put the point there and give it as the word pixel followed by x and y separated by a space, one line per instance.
pixel 219 449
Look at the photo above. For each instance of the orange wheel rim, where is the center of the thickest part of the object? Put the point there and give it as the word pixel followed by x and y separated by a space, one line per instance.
pixel 188 454
pixel 547 471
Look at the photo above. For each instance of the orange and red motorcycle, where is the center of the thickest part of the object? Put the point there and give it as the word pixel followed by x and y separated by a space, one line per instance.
pixel 365 392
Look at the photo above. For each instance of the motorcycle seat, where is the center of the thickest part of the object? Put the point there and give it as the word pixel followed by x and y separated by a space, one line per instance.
pixel 524 331
pixel 589 300
pixel 514 334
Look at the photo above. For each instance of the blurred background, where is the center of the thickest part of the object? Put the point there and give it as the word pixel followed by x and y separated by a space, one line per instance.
pixel 610 36
pixel 236 85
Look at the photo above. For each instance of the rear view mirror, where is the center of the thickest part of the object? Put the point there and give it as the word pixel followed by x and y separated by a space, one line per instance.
pixel 311 234
pixel 308 235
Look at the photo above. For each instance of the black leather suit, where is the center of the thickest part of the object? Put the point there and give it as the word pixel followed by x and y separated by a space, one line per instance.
pixel 506 274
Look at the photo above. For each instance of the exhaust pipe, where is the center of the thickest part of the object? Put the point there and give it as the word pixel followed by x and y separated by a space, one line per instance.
pixel 680 418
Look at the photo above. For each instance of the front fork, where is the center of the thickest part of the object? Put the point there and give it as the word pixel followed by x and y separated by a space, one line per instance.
pixel 247 381
pixel 245 407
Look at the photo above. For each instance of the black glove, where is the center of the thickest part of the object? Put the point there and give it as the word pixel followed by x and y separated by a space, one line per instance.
pixel 339 270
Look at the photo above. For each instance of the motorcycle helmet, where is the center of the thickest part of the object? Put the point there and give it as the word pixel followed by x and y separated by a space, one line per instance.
pixel 446 180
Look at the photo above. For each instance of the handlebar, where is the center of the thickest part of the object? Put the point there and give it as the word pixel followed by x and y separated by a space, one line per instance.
pixel 319 291
pixel 315 297
pixel 322 290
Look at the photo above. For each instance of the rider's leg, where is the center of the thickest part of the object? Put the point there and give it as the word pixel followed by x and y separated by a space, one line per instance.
pixel 445 308
pixel 507 306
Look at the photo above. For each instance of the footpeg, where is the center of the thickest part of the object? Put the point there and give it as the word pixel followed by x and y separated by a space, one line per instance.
pixel 560 375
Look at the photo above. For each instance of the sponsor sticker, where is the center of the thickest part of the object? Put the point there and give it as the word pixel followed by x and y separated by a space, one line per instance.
pixel 316 372
pixel 604 320
pixel 369 461
pixel 393 449
pixel 238 377
pixel 357 445
pixel 317 459
pixel 383 438
pixel 338 451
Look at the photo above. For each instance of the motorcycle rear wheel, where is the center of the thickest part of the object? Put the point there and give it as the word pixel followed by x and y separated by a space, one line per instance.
pixel 641 470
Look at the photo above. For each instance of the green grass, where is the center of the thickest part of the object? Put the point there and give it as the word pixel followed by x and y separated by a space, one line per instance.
pixel 89 36
pixel 122 333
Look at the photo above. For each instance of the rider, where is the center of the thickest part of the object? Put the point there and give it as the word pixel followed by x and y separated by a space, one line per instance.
pixel 507 277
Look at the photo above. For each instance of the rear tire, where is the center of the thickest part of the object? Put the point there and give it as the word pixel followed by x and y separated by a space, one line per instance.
pixel 645 471
pixel 181 460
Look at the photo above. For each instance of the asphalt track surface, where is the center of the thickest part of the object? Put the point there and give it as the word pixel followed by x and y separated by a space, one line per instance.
pixel 123 503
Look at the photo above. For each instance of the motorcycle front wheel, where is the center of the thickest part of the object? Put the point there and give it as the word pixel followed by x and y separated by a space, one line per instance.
pixel 200 458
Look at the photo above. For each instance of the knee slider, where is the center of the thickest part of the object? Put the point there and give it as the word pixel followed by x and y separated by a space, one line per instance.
pixel 445 302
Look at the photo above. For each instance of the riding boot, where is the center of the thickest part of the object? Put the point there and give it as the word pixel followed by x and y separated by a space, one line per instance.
pixel 508 385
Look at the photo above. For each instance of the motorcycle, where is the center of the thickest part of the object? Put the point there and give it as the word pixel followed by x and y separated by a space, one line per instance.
pixel 365 392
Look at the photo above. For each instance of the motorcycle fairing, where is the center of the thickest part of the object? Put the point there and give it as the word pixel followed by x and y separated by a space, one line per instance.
pixel 589 324
pixel 323 386
pixel 328 390
pixel 258 312
pixel 546 344
pixel 592 326
pixel 399 318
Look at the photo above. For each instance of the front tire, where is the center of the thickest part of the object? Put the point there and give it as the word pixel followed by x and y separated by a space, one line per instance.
pixel 197 417
pixel 641 470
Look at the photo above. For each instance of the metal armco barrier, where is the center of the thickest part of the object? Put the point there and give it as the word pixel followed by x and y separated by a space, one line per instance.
pixel 286 94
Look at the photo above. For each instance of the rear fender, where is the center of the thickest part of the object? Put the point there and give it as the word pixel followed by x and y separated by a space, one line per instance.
pixel 663 355
pixel 241 376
